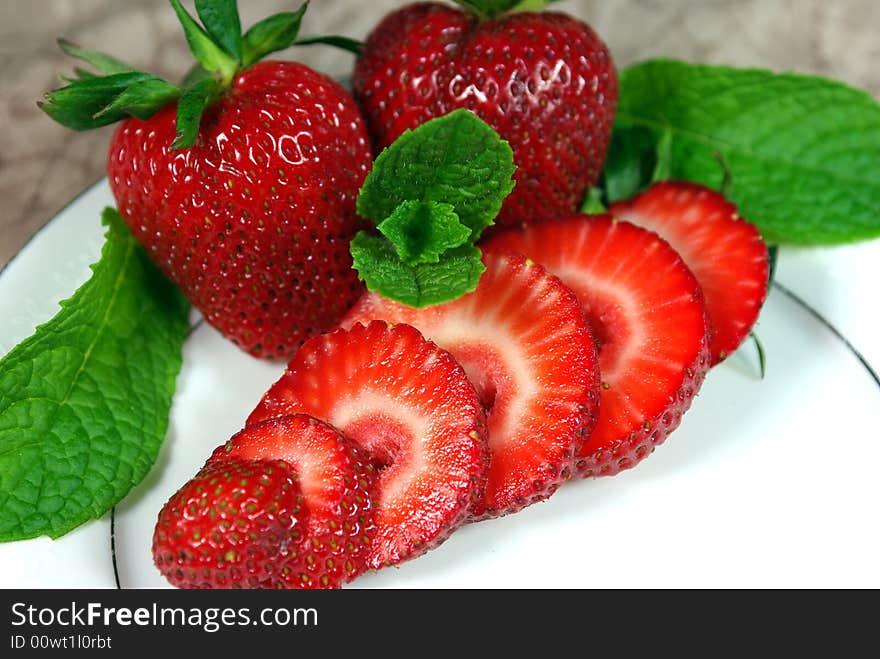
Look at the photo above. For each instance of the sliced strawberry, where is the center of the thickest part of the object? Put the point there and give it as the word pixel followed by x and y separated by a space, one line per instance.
pixel 336 481
pixel 726 254
pixel 522 340
pixel 283 504
pixel 236 524
pixel 409 406
pixel 647 314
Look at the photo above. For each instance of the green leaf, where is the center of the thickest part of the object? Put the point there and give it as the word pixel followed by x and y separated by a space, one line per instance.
pixel 79 74
pixel 81 104
pixel 143 99
pixel 422 231
pixel 457 272
pixel 488 8
pixel 196 73
pixel 221 20
pixel 663 166
pixel 631 162
pixel 593 203
pixel 190 108
pixel 532 5
pixel 456 159
pixel 271 35
pixel 345 43
pixel 203 47
pixel 803 151
pixel 104 63
pixel 84 401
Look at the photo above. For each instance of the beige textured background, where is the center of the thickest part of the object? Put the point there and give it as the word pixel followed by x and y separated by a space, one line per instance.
pixel 43 166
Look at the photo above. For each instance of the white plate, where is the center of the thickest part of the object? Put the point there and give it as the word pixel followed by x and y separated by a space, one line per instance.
pixel 766 483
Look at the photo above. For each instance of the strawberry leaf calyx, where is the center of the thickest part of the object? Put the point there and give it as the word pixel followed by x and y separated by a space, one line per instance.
pixel 489 9
pixel 208 52
pixel 118 91
pixel 431 194
pixel 91 102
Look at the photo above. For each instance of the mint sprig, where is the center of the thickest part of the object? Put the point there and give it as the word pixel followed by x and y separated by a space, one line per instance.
pixel 431 194
pixel 802 153
pixel 422 231
pixel 84 401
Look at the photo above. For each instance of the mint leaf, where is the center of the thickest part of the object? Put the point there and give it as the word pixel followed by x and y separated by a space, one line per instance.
pixel 84 401
pixel 379 266
pixel 421 231
pixel 803 151
pixel 457 159
pixel 631 161
pixel 432 192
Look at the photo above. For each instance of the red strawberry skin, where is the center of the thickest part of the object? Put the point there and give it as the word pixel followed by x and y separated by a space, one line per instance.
pixel 646 312
pixel 201 537
pixel 253 222
pixel 337 483
pixel 545 81
pixel 410 408
pixel 727 254
pixel 284 504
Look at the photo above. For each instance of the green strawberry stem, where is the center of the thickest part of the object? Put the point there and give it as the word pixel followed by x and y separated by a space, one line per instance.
pixel 119 91
pixel 489 9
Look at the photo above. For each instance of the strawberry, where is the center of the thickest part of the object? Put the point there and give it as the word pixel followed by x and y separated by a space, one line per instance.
pixel 726 253
pixel 523 341
pixel 646 312
pixel 241 185
pixel 410 408
pixel 284 504
pixel 545 81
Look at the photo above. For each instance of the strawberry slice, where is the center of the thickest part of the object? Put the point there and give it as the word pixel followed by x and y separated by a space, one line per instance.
pixel 409 406
pixel 647 314
pixel 726 254
pixel 336 481
pixel 283 504
pixel 522 340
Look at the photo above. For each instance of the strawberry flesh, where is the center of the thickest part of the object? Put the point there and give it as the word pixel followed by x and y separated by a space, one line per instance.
pixel 410 408
pixel 336 481
pixel 283 504
pixel 647 314
pixel 523 342
pixel 726 253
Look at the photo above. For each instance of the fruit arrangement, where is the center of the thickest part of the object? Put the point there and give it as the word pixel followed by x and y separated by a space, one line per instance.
pixel 484 276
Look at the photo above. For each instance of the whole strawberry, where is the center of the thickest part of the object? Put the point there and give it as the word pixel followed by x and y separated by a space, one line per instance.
pixel 545 81
pixel 241 184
